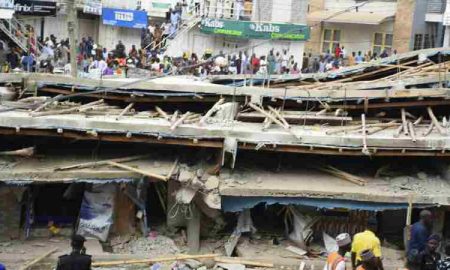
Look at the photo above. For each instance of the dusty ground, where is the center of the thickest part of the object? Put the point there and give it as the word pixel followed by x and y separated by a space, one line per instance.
pixel 16 253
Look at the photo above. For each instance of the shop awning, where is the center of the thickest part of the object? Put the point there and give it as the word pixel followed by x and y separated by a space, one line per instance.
pixel 360 17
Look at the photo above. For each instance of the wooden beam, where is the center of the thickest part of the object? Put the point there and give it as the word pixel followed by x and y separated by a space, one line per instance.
pixel 128 168
pixel 436 123
pixel 100 163
pixel 154 260
pixel 127 109
pixel 210 112
pixel 38 259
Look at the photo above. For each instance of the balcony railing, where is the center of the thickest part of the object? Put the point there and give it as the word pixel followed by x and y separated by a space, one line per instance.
pixel 232 12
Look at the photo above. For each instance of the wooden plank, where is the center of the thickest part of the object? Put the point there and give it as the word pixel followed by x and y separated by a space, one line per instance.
pixel 436 123
pixel 100 163
pixel 128 168
pixel 155 260
pixel 38 259
pixel 210 112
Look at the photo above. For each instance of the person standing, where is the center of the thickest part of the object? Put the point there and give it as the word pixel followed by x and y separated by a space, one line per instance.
pixel 239 8
pixel 352 59
pixel 359 58
pixel 430 257
pixel 419 234
pixel 271 62
pixel 367 240
pixel 336 260
pixel 77 259
pixel 305 63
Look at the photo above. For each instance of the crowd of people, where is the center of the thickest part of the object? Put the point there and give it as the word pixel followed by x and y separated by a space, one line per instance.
pixel 366 252
pixel 331 61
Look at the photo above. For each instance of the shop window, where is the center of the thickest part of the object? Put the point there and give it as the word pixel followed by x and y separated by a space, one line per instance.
pixel 381 42
pixel 331 39
pixel 418 40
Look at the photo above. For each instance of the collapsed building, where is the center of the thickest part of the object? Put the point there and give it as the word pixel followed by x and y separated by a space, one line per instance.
pixel 314 154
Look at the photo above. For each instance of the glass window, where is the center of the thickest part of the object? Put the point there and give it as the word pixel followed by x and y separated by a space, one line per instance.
pixel 418 39
pixel 382 42
pixel 331 39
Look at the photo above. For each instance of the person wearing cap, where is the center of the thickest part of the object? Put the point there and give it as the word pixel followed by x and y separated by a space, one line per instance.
pixel 336 260
pixel 368 260
pixel 429 257
pixel 367 240
pixel 419 234
pixel 76 260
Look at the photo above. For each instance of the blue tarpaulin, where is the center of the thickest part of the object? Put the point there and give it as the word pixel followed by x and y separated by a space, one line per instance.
pixel 237 204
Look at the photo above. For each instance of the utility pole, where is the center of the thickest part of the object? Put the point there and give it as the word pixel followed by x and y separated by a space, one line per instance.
pixel 72 24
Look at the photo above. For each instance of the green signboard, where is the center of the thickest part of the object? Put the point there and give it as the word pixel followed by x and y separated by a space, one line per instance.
pixel 255 30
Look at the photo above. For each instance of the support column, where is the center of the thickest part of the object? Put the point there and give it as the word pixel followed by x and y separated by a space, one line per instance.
pixel 72 25
pixel 193 230
pixel 446 42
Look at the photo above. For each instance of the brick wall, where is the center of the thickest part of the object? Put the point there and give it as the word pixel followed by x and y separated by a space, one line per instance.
pixel 403 26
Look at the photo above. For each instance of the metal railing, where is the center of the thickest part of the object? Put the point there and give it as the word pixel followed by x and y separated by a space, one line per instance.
pixel 231 11
pixel 183 28
pixel 16 31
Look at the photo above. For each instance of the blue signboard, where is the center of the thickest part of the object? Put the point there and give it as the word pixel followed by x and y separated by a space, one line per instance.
pixel 124 18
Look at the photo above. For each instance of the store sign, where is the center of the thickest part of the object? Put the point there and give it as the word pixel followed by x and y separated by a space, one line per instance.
pixel 90 6
pixel 124 18
pixel 8 4
pixel 35 8
pixel 254 30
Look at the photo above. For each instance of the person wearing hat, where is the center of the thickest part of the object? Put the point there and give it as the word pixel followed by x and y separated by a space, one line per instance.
pixel 367 240
pixel 336 260
pixel 419 234
pixel 76 260
pixel 368 260
pixel 429 257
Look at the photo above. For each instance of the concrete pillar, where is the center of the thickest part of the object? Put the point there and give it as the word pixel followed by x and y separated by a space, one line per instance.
pixel 446 42
pixel 403 26
pixel 193 230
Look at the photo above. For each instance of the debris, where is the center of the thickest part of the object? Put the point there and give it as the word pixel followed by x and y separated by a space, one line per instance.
pixel 212 183
pixel 127 109
pixel 330 243
pixel 211 111
pixel 436 123
pixel 296 250
pixel 38 259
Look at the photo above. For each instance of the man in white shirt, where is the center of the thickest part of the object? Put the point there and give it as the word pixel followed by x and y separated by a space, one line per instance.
pixel 336 260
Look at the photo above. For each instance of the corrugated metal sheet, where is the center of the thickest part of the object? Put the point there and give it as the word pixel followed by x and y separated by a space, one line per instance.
pixel 237 204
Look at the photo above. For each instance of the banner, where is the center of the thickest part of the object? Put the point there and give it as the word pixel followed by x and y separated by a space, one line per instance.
pixel 125 18
pixel 255 30
pixel 35 8
pixel 96 213
pixel 90 6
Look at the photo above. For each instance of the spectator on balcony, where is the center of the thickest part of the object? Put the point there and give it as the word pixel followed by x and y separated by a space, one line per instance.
pixel 174 22
pixel 238 9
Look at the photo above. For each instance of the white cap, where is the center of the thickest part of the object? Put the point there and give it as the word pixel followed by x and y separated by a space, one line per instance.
pixel 343 239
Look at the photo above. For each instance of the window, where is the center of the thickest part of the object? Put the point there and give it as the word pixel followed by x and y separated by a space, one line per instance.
pixel 426 41
pixel 418 39
pixel 331 39
pixel 381 42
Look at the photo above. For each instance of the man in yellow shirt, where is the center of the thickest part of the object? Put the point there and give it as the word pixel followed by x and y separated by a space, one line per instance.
pixel 367 240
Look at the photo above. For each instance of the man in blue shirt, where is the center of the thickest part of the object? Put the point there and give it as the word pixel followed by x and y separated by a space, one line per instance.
pixel 420 231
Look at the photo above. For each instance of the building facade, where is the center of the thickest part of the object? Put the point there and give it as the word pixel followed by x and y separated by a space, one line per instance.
pixel 255 26
pixel 375 26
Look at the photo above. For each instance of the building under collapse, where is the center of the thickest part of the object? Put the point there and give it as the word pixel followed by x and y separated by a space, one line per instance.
pixel 115 156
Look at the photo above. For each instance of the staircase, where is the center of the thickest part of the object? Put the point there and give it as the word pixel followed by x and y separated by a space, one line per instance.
pixel 184 28
pixel 15 30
